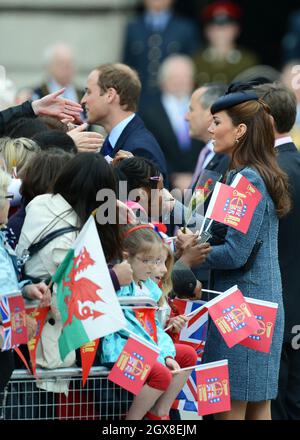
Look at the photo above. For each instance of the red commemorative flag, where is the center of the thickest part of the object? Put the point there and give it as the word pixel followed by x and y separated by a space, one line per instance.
pixel 213 388
pixel 233 206
pixel 18 320
pixel 146 317
pixel 265 313
pixel 39 314
pixel 88 352
pixel 134 364
pixel 233 316
pixel 243 185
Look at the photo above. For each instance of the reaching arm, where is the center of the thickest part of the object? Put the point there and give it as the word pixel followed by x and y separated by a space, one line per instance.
pixel 23 110
pixel 54 105
pixel 50 105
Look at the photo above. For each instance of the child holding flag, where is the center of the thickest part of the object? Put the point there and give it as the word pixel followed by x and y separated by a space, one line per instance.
pixel 242 129
pixel 144 248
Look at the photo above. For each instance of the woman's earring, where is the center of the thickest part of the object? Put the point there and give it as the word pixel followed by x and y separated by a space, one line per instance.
pixel 237 141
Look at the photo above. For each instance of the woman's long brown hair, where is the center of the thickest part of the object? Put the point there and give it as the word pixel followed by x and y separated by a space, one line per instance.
pixel 256 149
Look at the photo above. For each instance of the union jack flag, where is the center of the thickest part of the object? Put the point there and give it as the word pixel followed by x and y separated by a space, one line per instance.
pixel 5 318
pixel 193 334
pixel 12 313
pixel 187 398
pixel 185 405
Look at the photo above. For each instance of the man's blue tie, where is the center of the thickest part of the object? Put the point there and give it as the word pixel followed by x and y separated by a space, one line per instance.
pixel 106 149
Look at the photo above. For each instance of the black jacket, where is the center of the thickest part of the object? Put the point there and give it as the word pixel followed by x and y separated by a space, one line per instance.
pixel 23 110
pixel 158 122
pixel 219 163
pixel 140 142
pixel 289 239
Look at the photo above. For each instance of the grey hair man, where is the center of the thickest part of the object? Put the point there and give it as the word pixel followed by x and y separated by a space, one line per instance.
pixel 199 119
pixel 59 65
pixel 166 118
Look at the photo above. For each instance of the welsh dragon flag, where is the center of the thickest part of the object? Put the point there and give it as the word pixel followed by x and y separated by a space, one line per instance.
pixel 85 294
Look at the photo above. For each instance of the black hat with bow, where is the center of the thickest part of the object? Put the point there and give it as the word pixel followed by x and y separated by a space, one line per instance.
pixel 237 93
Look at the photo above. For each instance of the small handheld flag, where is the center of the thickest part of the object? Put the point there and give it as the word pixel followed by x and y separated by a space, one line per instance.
pixel 195 331
pixel 39 314
pixel 213 388
pixel 233 206
pixel 134 364
pixel 13 317
pixel 232 316
pixel 85 294
pixel 265 313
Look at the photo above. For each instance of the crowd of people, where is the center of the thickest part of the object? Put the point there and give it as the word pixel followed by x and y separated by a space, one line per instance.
pixel 53 163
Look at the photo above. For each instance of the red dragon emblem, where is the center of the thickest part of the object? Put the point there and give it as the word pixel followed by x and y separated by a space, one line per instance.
pixel 81 290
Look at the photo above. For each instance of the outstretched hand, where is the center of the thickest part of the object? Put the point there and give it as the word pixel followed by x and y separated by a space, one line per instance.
pixel 61 108
pixel 86 141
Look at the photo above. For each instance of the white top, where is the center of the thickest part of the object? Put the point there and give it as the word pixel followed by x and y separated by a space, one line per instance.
pixel 44 214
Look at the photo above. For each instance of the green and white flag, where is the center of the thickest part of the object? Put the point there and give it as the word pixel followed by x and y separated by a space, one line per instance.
pixel 86 297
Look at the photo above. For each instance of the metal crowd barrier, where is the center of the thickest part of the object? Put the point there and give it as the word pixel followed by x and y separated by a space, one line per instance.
pixel 100 399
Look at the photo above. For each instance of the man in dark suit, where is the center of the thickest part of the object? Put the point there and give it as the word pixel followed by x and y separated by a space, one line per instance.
pixel 153 36
pixel 291 40
pixel 166 119
pixel 282 103
pixel 199 119
pixel 111 100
